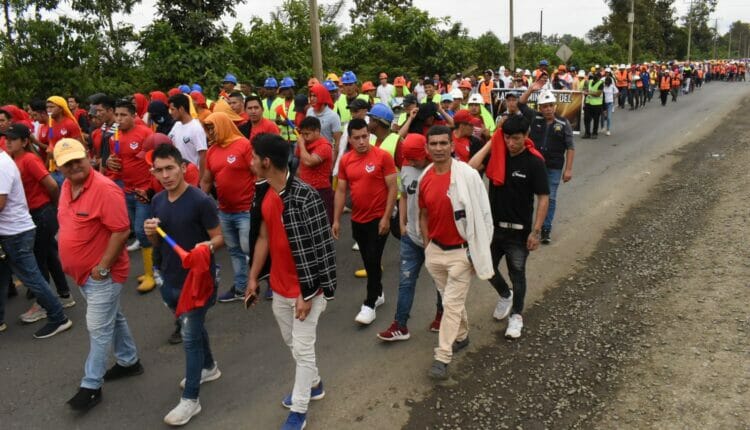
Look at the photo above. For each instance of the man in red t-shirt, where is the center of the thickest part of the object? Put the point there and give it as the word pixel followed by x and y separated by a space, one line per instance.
pixel 371 174
pixel 125 146
pixel 82 116
pixel 258 124
pixel 315 155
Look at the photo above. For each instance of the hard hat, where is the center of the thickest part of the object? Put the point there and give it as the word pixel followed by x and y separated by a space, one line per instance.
pixel 561 68
pixel 333 77
pixel 184 89
pixel 368 86
pixel 621 66
pixel 544 63
pixel 287 82
pixel 607 69
pixel 270 83
pixel 546 97
pixel 592 69
pixel 465 84
pixel 381 112
pixel 349 78
pixel 598 66
pixel 476 99
pixel 230 78
pixel 457 94
pixel 527 72
pixel 399 81
pixel 447 97
pixel 330 85
pixel 581 74
pixel 312 81
pixel 196 87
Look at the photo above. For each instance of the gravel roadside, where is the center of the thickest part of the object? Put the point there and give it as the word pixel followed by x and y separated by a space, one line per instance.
pixel 650 332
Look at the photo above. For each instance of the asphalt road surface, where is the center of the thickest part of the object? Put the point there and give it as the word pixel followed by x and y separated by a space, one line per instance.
pixel 369 384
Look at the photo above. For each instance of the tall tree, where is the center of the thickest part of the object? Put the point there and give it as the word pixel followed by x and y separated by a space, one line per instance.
pixel 364 11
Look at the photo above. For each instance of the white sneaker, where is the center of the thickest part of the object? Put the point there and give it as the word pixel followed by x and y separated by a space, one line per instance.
pixel 515 324
pixel 34 314
pixel 366 315
pixel 182 413
pixel 158 280
pixel 135 246
pixel 355 247
pixel 207 375
pixel 502 309
pixel 380 300
pixel 608 133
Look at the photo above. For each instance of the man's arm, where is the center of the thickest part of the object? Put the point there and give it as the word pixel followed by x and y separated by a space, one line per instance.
pixel 216 238
pixel 53 191
pixel 423 223
pixel 542 205
pixel 402 209
pixel 385 221
pixel 336 142
pixel 305 157
pixel 260 254
pixel 477 161
pixel 338 206
pixel 568 172
pixel 207 181
pixel 114 247
pixel 536 86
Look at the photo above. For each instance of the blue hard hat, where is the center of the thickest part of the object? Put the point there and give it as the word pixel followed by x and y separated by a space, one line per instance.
pixel 196 87
pixel 348 77
pixel 184 89
pixel 230 78
pixel 381 111
pixel 270 83
pixel 287 82
pixel 544 63
pixel 330 85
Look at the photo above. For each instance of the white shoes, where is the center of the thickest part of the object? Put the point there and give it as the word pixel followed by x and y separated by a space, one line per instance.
pixel 182 413
pixel 135 246
pixel 608 133
pixel 207 375
pixel 366 315
pixel 502 309
pixel 380 300
pixel 515 325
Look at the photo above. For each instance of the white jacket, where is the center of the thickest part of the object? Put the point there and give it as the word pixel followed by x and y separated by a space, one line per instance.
pixel 469 200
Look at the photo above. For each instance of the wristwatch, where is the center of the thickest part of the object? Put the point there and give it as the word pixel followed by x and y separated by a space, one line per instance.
pixel 211 247
pixel 104 273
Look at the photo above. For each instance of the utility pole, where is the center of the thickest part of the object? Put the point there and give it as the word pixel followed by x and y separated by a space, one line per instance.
pixel 729 48
pixel 511 43
pixel 716 35
pixel 541 21
pixel 317 56
pixel 631 20
pixel 690 29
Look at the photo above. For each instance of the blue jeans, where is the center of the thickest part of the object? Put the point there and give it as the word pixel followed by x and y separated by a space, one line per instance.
pixel 138 213
pixel 19 250
pixel 554 176
pixel 412 260
pixel 107 326
pixel 512 245
pixel 235 227
pixel 609 108
pixel 194 340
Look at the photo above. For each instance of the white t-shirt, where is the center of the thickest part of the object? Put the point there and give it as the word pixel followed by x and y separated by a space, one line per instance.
pixel 385 92
pixel 609 93
pixel 189 138
pixel 15 217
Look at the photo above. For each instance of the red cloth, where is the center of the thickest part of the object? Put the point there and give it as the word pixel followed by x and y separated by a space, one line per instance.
pixel 496 167
pixel 365 174
pixel 462 147
pixel 433 196
pixel 141 104
pixel 199 284
pixel 323 96
pixel 19 116
pixel 284 279
pixel 159 96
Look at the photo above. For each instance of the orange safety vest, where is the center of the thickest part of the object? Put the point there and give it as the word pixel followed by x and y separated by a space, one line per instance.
pixel 700 74
pixel 676 80
pixel 486 90
pixel 665 83
pixel 622 78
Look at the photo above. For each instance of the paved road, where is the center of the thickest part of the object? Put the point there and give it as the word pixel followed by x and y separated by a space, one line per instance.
pixel 368 383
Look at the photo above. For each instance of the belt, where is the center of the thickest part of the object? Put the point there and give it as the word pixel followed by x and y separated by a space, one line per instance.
pixel 510 225
pixel 449 247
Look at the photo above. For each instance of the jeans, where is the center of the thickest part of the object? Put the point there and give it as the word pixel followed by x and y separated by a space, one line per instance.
pixel 198 354
pixel 512 245
pixel 622 95
pixel 236 230
pixel 45 248
pixel 300 337
pixel 371 246
pixel 591 114
pixel 138 212
pixel 609 108
pixel 412 259
pixel 107 326
pixel 19 250
pixel 554 176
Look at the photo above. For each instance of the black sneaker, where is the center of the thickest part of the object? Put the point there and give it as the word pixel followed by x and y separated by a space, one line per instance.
pixel 438 370
pixel 460 344
pixel 231 296
pixel 118 372
pixel 52 328
pixel 176 337
pixel 586 136
pixel 545 237
pixel 85 399
pixel 594 136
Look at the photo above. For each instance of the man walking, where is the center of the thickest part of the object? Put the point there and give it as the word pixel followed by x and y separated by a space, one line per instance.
pixel 187 133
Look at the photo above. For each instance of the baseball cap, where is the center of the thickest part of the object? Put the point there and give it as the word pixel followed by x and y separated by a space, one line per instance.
pixel 67 150
pixel 17 131
pixel 513 94
pixel 463 116
pixel 413 147
pixel 446 97
pixel 358 104
pixel 476 98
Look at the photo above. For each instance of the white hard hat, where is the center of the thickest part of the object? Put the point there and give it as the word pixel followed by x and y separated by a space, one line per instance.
pixel 607 69
pixel 457 94
pixel 546 97
pixel 581 74
pixel 527 72
pixel 502 69
pixel 637 77
pixel 476 98
pixel 622 66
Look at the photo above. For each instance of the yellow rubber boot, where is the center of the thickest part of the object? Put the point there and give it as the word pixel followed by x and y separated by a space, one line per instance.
pixel 148 283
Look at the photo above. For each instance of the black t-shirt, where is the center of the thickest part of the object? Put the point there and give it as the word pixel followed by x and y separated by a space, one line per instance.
pixel 187 221
pixel 513 202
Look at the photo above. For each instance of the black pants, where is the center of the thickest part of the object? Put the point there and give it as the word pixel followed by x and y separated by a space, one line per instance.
pixel 510 244
pixel 371 246
pixel 663 94
pixel 622 95
pixel 45 247
pixel 591 113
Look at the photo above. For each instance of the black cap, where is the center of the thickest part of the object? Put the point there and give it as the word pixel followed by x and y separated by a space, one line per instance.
pixel 513 94
pixel 17 131
pixel 410 99
pixel 358 104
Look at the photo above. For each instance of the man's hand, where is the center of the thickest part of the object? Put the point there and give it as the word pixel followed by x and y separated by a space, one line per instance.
pixel 302 308
pixel 113 163
pixel 95 274
pixel 335 230
pixel 567 176
pixel 142 196
pixel 538 84
pixel 384 226
pixel 532 243
pixel 149 226
pixel 252 289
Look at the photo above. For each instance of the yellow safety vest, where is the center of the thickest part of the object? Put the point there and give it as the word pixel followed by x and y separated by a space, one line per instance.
pixel 286 131
pixel 341 107
pixel 270 113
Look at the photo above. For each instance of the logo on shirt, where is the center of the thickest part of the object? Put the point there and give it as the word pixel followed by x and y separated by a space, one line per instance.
pixel 186 139
pixel 412 188
pixel 558 128
pixel 133 145
pixel 231 159
pixel 517 174
pixel 64 131
pixel 369 167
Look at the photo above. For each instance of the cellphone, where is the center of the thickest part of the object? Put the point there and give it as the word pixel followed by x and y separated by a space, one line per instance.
pixel 249 300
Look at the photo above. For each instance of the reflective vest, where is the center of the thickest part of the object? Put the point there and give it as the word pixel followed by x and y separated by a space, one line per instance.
pixel 622 78
pixel 485 89
pixel 341 107
pixel 665 83
pixel 286 131
pixel 489 123
pixel 269 112
pixel 389 145
pixel 435 99
pixel 593 87
pixel 676 81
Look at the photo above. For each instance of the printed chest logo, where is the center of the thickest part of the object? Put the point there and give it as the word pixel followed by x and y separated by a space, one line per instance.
pixel 64 131
pixel 369 167
pixel 231 159
pixel 133 145
pixel 186 139
pixel 412 188
pixel 558 128
pixel 517 174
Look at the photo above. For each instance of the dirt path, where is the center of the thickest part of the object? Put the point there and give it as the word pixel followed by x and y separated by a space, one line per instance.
pixel 651 332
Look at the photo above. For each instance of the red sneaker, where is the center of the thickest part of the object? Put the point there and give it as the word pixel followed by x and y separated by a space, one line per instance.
pixel 394 332
pixel 435 326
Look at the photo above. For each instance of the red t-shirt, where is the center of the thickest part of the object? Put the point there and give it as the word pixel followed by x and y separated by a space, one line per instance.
pixel 318 177
pixel 462 149
pixel 32 172
pixel 265 125
pixel 86 225
pixel 284 278
pixel 433 196
pixel 192 177
pixel 235 181
pixel 135 173
pixel 366 174
pixel 61 129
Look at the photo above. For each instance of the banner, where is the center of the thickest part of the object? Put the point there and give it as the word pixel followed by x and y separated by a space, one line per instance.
pixel 569 104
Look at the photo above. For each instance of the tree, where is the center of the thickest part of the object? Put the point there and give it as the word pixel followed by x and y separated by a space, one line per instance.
pixel 365 10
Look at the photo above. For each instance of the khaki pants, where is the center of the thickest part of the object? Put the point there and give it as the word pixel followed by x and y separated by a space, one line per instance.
pixel 452 272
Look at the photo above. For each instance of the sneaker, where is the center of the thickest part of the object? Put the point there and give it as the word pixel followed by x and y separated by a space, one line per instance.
pixel 67 302
pixel 460 344
pixel 438 370
pixel 207 375
pixel 50 329
pixel 435 326
pixel 347 209
pixel 158 280
pixel 295 421
pixel 608 133
pixel 546 239
pixel 135 246
pixel 361 273
pixel 3 326
pixel 176 337
pixel 231 296
pixel 380 301
pixel 34 314
pixel 85 399
pixel 316 393
pixel 515 324
pixel 394 332
pixel 355 247
pixel 502 309
pixel 366 315
pixel 595 136
pixel 181 414
pixel 586 136
pixel 118 372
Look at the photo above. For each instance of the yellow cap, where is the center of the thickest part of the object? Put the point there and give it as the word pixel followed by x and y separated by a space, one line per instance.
pixel 332 77
pixel 68 149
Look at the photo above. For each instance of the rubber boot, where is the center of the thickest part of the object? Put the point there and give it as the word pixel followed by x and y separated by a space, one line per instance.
pixel 148 282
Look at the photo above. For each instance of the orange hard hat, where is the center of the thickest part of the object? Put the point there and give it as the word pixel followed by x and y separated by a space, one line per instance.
pixel 465 84
pixel 399 81
pixel 367 86
pixel 561 68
